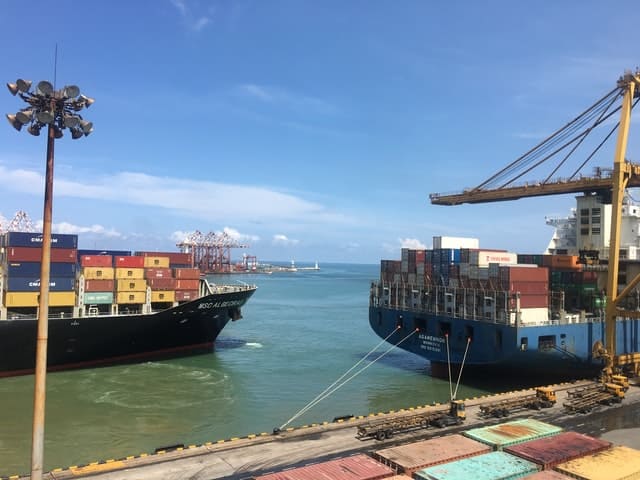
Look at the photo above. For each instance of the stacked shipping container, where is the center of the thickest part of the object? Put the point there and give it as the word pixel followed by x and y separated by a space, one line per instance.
pixel 22 255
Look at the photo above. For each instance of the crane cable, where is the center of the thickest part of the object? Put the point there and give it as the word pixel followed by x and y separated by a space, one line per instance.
pixel 331 389
pixel 461 367
pixel 558 135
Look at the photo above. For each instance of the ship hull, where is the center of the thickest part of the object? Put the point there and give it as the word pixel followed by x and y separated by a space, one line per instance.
pixel 188 329
pixel 547 351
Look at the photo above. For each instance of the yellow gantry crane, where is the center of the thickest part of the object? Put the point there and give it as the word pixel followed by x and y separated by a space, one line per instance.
pixel 609 183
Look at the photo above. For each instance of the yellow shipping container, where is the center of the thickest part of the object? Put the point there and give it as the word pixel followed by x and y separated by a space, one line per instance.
pixel 617 463
pixel 157 262
pixel 163 296
pixel 62 299
pixel 131 297
pixel 131 285
pixel 30 299
pixel 97 273
pixel 129 272
pixel 21 299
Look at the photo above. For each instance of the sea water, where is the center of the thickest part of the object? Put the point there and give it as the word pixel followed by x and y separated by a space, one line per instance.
pixel 300 332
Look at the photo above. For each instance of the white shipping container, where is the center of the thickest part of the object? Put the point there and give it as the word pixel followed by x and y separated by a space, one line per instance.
pixel 532 316
pixel 455 242
pixel 482 258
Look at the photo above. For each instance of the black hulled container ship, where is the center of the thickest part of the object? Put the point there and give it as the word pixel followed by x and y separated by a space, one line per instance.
pixel 107 307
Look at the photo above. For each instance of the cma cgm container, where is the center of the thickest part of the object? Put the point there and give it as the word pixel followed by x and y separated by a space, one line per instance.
pixel 511 433
pixel 357 467
pixel 550 451
pixel 27 239
pixel 29 269
pixel 490 466
pixel 34 254
pixel 31 284
pixel 420 455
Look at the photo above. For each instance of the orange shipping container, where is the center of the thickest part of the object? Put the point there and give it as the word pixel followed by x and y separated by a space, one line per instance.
pixel 129 272
pixel 97 273
pixel 187 284
pixel 157 262
pixel 162 283
pixel 561 262
pixel 163 296
pixel 131 297
pixel 131 285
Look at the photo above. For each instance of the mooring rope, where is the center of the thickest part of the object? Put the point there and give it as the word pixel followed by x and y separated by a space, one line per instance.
pixel 333 387
pixel 464 357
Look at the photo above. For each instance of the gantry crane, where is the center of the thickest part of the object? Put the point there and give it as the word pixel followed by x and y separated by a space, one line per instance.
pixel 609 183
pixel 21 222
pixel 211 251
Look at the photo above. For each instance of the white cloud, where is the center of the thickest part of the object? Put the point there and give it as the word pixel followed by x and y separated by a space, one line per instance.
pixel 240 237
pixel 69 228
pixel 288 99
pixel 412 243
pixel 193 21
pixel 224 202
pixel 280 239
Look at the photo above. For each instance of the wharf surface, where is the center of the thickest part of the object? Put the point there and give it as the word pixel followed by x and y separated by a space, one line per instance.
pixel 243 458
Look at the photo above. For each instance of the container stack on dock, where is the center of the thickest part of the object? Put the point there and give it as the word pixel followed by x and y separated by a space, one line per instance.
pixel 20 271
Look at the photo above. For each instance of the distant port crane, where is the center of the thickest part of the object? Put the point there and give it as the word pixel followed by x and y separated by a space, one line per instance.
pixel 611 183
pixel 21 222
pixel 211 252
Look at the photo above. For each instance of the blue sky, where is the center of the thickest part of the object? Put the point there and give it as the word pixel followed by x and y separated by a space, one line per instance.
pixel 307 130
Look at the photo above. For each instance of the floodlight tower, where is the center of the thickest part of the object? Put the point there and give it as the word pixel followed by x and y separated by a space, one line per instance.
pixel 56 109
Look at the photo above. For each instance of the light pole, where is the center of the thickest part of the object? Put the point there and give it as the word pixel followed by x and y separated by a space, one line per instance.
pixel 57 109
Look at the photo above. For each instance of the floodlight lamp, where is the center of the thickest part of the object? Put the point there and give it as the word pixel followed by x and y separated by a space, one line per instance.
pixel 45 88
pixel 45 116
pixel 71 121
pixel 57 132
pixel 71 91
pixel 88 101
pixel 24 116
pixel 76 133
pixel 14 122
pixel 87 127
pixel 23 85
pixel 13 88
pixel 34 129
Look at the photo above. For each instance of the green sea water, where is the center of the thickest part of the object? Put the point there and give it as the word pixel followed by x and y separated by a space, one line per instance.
pixel 300 332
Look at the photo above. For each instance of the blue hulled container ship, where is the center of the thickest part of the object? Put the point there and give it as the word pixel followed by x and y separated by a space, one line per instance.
pixel 498 312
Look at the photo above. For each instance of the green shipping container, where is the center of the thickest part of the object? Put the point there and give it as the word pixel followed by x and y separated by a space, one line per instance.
pixel 98 298
pixel 490 466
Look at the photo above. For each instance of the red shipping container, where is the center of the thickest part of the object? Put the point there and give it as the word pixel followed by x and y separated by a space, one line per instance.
pixel 514 273
pixel 187 273
pixel 356 467
pixel 529 288
pixel 96 261
pixel 175 258
pixel 186 295
pixel 420 254
pixel 34 254
pixel 157 273
pixel 129 262
pixel 98 285
pixel 187 284
pixel 534 301
pixel 162 283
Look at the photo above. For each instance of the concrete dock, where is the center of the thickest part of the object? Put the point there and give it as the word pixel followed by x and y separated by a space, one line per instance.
pixel 242 458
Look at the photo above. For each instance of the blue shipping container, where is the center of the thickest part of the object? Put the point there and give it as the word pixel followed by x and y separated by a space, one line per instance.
pixel 32 284
pixel 32 269
pixel 27 239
